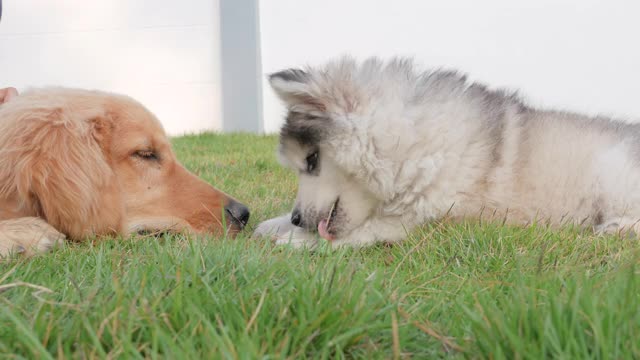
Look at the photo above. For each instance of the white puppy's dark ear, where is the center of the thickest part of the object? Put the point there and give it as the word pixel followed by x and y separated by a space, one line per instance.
pixel 294 87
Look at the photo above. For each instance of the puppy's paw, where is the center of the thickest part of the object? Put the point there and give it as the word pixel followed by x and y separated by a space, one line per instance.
pixel 28 236
pixel 625 227
pixel 281 231
pixel 274 227
pixel 297 238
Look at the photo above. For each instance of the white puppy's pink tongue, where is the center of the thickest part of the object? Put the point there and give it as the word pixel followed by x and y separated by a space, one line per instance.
pixel 323 231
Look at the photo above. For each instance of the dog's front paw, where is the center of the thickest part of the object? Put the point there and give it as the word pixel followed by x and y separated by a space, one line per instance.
pixel 297 238
pixel 626 227
pixel 28 236
pixel 282 232
pixel 274 227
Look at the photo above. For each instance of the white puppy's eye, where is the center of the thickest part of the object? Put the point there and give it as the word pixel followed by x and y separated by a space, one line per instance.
pixel 147 155
pixel 312 161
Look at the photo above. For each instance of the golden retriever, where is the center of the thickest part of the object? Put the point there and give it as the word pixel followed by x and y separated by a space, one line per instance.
pixel 78 164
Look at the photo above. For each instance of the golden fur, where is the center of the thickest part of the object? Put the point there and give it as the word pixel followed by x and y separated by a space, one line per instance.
pixel 80 163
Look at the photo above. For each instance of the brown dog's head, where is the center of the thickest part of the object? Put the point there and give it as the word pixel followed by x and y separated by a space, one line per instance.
pixel 93 163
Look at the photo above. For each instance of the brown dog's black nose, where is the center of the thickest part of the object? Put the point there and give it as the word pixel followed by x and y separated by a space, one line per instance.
pixel 238 213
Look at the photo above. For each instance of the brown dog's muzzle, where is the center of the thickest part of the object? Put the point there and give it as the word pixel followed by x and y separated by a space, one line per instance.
pixel 189 204
pixel 209 210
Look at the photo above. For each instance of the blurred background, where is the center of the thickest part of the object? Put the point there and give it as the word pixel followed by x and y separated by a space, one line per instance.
pixel 201 65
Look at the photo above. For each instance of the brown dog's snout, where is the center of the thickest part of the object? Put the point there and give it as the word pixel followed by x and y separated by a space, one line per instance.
pixel 238 213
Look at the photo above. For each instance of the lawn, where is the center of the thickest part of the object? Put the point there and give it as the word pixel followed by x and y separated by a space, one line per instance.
pixel 450 290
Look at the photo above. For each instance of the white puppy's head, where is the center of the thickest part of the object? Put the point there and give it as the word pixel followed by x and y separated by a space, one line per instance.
pixel 333 195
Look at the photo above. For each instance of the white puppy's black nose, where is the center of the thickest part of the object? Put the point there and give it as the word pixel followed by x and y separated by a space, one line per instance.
pixel 238 213
pixel 296 218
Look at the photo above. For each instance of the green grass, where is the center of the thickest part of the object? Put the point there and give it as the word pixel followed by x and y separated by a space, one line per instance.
pixel 449 290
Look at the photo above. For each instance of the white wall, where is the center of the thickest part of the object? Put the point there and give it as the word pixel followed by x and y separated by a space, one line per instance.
pixel 577 55
pixel 165 53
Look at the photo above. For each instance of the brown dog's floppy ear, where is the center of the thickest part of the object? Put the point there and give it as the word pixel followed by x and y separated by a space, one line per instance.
pixel 294 88
pixel 56 165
